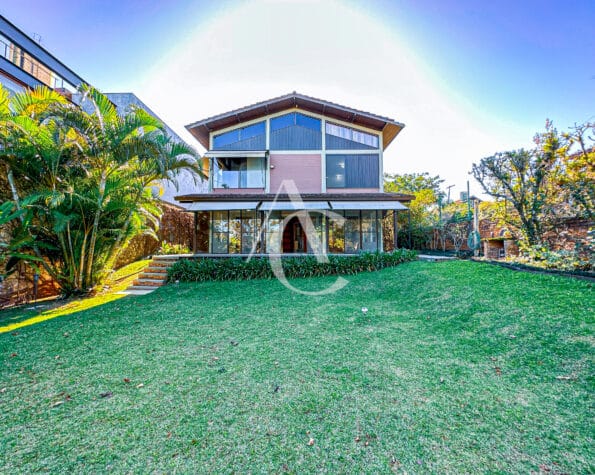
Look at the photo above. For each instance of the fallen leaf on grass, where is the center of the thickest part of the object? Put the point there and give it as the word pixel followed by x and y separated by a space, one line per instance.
pixel 498 370
pixel 12 355
pixel 126 380
pixel 311 442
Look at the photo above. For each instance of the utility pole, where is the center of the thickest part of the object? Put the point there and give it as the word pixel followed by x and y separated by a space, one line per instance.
pixel 448 188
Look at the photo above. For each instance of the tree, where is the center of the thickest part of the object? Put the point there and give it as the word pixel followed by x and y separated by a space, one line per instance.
pixel 86 177
pixel 412 183
pixel 526 179
pixel 578 169
pixel 423 209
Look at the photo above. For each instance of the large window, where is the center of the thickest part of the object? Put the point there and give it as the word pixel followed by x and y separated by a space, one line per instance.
pixel 220 232
pixel 251 137
pixel 234 232
pixel 295 131
pixel 359 232
pixel 369 226
pixel 352 171
pixel 239 172
pixel 339 137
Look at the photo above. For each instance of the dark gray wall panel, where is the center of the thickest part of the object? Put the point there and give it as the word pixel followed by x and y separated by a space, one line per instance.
pixel 296 137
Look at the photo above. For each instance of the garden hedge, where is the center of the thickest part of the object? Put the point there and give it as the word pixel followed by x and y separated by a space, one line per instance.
pixel 237 268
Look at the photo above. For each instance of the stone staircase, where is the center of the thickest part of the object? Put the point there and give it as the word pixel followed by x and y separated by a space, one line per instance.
pixel 154 274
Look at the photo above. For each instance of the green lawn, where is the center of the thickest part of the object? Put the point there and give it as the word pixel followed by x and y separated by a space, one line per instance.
pixel 457 367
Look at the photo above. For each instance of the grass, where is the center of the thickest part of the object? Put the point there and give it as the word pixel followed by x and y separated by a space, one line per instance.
pixel 457 367
pixel 22 316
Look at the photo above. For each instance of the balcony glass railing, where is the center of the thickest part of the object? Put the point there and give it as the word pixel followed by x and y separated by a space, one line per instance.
pixel 29 64
pixel 238 173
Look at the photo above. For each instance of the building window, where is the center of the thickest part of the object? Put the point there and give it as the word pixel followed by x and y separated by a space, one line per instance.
pixel 32 66
pixel 233 232
pixel 352 171
pixel 239 172
pixel 369 226
pixel 339 137
pixel 295 131
pixel 251 137
pixel 352 232
pixel 336 236
pixel 220 232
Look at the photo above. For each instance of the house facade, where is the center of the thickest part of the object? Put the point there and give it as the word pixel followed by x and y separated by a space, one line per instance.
pixel 294 174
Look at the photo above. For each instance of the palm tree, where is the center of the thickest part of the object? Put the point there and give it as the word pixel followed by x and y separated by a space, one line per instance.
pixel 88 177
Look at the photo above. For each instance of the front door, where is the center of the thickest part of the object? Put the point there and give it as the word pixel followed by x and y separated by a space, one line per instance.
pixel 294 237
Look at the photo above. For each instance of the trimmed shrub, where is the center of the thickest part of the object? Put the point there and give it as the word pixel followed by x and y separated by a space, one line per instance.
pixel 236 268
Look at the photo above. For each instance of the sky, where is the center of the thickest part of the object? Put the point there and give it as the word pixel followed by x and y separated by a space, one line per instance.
pixel 467 78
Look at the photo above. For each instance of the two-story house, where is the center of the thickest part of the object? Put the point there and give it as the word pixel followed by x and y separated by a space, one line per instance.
pixel 261 157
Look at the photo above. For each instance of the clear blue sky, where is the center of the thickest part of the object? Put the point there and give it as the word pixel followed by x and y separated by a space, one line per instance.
pixel 503 66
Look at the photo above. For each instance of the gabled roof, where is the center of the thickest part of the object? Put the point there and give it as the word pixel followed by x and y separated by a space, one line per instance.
pixel 389 127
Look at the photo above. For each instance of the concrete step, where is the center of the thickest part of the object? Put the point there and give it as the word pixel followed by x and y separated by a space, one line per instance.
pixel 156 270
pixel 153 275
pixel 141 288
pixel 148 282
pixel 162 264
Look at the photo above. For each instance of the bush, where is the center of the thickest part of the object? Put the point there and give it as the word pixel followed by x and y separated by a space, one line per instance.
pixel 236 268
pixel 564 260
pixel 166 249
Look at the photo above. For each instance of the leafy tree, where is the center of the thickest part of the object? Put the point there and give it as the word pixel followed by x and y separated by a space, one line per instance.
pixel 85 178
pixel 424 210
pixel 412 183
pixel 526 179
pixel 578 169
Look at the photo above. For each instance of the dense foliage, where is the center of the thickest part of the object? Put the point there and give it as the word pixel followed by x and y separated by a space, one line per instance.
pixel 236 268
pixel 82 181
pixel 423 208
pixel 553 180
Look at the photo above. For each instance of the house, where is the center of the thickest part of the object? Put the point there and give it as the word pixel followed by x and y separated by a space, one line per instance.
pixel 294 174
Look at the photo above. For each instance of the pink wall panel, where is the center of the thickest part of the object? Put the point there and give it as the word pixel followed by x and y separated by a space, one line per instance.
pixel 305 170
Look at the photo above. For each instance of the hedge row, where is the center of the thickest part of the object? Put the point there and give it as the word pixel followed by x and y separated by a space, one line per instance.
pixel 236 268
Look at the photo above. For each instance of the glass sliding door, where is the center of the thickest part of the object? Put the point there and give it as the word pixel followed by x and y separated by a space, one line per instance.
pixel 352 232
pixel 220 232
pixel 369 231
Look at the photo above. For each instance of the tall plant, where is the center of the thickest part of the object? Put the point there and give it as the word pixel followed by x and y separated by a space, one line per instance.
pixel 88 177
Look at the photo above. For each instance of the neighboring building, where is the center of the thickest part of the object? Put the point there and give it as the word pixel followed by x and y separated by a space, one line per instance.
pixel 25 64
pixel 330 154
